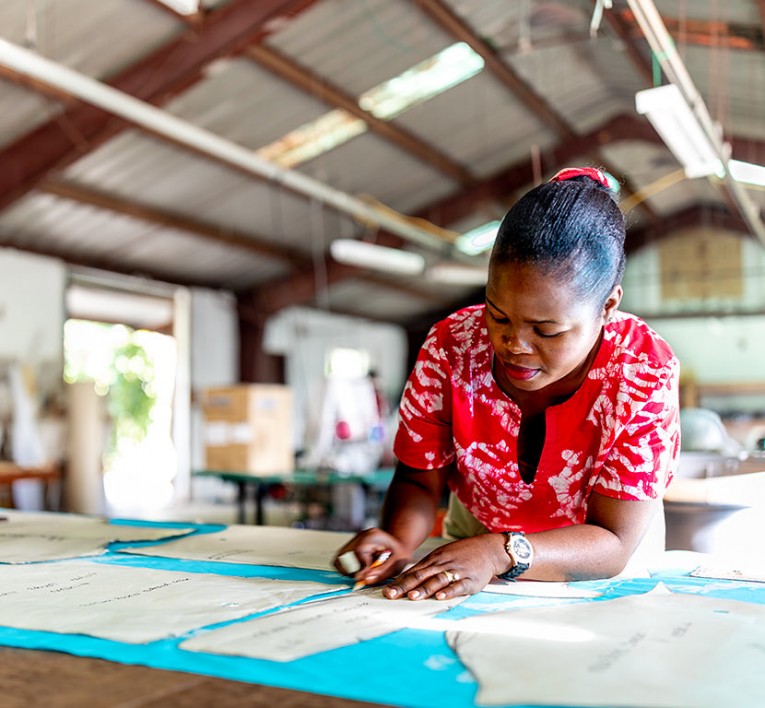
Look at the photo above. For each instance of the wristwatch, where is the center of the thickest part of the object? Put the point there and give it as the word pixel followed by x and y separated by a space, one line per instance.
pixel 521 552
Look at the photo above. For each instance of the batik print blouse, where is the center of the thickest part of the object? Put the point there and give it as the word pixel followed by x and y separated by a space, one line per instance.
pixel 618 434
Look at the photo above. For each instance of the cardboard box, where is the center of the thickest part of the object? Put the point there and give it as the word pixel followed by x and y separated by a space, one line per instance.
pixel 249 429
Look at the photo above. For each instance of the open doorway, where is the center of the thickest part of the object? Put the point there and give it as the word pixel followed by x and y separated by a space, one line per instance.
pixel 123 344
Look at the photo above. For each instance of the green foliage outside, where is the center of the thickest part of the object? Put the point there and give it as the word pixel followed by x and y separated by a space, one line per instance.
pixel 131 397
pixel 120 367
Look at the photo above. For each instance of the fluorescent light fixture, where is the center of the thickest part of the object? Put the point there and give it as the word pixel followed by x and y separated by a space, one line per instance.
pixel 369 255
pixel 747 172
pixel 672 117
pixel 182 7
pixel 479 239
pixel 455 274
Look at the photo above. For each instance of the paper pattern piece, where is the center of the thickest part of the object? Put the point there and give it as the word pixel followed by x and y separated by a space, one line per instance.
pixel 255 545
pixel 652 650
pixel 263 545
pixel 27 537
pixel 320 626
pixel 134 605
pixel 745 570
pixel 535 588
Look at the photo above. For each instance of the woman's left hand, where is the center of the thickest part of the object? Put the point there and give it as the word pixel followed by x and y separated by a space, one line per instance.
pixel 461 567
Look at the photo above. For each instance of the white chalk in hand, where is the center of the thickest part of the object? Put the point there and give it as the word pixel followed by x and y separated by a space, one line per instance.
pixel 349 561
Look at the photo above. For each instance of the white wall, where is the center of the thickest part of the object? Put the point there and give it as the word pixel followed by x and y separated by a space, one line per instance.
pixel 718 348
pixel 32 315
pixel 214 339
pixel 306 337
pixel 214 361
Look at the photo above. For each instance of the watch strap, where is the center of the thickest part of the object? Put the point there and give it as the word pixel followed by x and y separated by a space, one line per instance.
pixel 519 567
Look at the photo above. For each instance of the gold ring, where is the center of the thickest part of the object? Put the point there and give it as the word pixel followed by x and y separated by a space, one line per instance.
pixel 450 576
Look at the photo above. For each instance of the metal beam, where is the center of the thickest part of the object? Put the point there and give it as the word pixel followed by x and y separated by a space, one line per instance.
pixel 705 33
pixel 155 79
pixel 165 219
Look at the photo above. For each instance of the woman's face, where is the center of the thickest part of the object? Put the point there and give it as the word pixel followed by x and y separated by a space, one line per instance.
pixel 540 331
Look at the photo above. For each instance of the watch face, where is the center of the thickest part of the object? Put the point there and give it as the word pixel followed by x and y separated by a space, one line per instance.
pixel 521 548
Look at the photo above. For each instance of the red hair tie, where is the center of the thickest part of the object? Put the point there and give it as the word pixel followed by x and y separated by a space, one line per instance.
pixel 591 172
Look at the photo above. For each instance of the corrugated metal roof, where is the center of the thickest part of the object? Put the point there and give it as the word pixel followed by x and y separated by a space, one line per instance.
pixel 481 125
pixel 96 38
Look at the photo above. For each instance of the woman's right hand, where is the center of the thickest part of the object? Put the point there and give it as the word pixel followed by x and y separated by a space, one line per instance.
pixel 367 546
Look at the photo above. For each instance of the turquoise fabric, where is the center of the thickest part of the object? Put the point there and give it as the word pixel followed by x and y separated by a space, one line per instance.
pixel 409 667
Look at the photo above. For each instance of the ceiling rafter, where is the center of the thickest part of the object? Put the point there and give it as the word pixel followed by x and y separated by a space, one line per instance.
pixel 215 234
pixel 501 186
pixel 706 33
pixel 155 79
pixel 165 219
pixel 439 12
pixel 313 84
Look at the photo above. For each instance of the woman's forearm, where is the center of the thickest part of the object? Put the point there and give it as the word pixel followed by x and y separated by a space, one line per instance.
pixel 581 552
pixel 411 503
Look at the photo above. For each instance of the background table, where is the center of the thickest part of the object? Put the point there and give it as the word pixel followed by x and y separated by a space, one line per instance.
pixel 255 487
pixel 10 472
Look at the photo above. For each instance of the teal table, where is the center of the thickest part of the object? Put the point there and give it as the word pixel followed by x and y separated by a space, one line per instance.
pixel 255 487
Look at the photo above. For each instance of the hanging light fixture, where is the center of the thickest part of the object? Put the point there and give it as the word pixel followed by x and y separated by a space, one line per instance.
pixel 370 255
pixel 671 116
pixel 457 274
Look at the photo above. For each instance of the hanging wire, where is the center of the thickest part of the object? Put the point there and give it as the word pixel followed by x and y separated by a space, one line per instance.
pixel 318 251
pixel 524 27
pixel 597 16
pixel 652 189
pixel 30 30
pixel 375 23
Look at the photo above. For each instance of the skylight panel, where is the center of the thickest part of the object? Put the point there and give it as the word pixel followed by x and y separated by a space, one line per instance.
pixel 314 138
pixel 427 79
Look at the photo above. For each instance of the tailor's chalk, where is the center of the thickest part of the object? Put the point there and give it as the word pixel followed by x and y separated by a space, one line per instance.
pixel 349 561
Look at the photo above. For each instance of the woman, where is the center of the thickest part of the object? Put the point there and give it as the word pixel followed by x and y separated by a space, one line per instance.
pixel 551 416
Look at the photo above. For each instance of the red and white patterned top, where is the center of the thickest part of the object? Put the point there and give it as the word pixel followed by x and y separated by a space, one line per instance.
pixel 618 434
